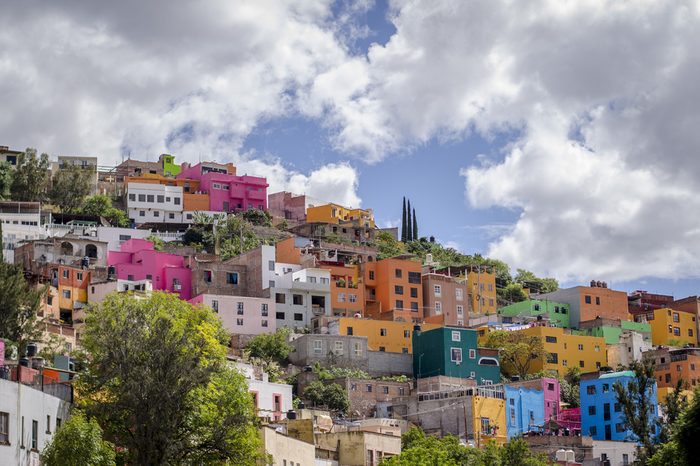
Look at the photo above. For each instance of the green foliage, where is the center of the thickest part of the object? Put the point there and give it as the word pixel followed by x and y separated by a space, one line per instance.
pixel 673 406
pixel 100 205
pixel 157 241
pixel 78 442
pixel 514 293
pixel 637 401
pixel 332 396
pixel 387 245
pixel 338 372
pixel 233 233
pixel 683 448
pixel 419 449
pixel 52 345
pixel 158 384
pixel 257 217
pixel 535 284
pixel 570 387
pixel 20 304
pixel 69 188
pixel 270 347
pixel 6 174
pixel 31 177
pixel 395 378
pixel 517 351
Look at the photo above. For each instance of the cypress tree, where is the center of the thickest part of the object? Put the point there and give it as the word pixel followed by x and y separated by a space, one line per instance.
pixel 403 222
pixel 409 222
pixel 415 226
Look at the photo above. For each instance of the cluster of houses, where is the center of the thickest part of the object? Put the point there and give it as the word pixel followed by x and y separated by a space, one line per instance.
pixel 410 330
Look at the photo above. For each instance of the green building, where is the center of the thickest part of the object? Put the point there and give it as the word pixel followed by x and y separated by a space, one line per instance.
pixel 454 352
pixel 611 330
pixel 557 313
pixel 170 168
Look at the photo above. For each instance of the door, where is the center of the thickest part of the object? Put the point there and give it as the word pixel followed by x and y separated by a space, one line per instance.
pixel 608 435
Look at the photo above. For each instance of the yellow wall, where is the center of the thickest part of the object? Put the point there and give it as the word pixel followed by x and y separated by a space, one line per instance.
pixel 482 285
pixel 334 213
pixel 662 392
pixel 76 294
pixel 663 318
pixel 495 410
pixel 395 339
pixel 567 350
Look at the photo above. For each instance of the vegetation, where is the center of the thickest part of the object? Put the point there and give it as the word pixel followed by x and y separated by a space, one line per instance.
pixel 79 442
pixel 69 188
pixel 535 284
pixel 387 246
pixel 270 347
pixel 637 401
pixel 31 177
pixel 232 235
pixel 418 448
pixel 409 223
pixel 673 407
pixel 257 217
pixel 166 396
pixel 100 205
pixel 513 293
pixel 338 372
pixel 6 173
pixel 570 387
pixel 20 305
pixel 157 241
pixel 331 396
pixel 517 351
pixel 682 449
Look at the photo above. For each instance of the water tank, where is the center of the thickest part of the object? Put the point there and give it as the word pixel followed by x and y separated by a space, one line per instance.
pixel 560 455
pixel 291 414
pixel 111 271
pixel 32 349
pixel 605 284
pixel 302 405
pixel 599 284
pixel 592 283
pixel 570 456
pixel 24 362
pixel 85 262
pixel 308 369
pixel 37 363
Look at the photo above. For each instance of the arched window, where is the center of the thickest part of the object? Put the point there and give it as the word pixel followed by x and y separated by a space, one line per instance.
pixel 91 251
pixel 66 249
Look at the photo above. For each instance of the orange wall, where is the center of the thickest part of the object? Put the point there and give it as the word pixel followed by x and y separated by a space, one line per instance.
pixel 482 286
pixel 194 202
pixel 342 277
pixel 609 304
pixel 286 252
pixel 385 282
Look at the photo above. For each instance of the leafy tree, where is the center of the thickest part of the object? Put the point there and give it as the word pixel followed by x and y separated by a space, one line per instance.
pixel 31 177
pixel 157 241
pixel 6 173
pixel 387 245
pixel 517 351
pixel 332 396
pixel 233 234
pixel 100 205
pixel 673 406
pixel 570 387
pixel 20 304
pixel 158 384
pixel 637 401
pixel 69 188
pixel 514 293
pixel 79 442
pixel 536 285
pixel 270 347
pixel 683 448
pixel 257 217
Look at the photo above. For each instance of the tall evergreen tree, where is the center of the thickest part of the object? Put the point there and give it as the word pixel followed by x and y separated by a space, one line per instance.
pixel 403 222
pixel 409 222
pixel 415 225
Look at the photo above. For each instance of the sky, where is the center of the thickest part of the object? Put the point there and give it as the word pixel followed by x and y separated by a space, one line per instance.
pixel 558 136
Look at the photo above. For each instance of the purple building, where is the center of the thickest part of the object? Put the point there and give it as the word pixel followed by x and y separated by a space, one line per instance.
pixel 227 191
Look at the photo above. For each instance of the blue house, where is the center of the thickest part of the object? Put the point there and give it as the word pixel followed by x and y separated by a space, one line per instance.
pixel 524 410
pixel 601 414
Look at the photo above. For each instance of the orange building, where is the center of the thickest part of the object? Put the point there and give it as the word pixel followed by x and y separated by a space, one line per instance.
pixel 394 290
pixel 347 293
pixel 672 365
pixel 72 290
pixel 590 302
pixel 193 199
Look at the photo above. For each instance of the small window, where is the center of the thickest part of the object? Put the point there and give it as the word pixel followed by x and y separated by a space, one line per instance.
pixel 4 428
pixel 619 427
pixel 280 298
pixel 437 290
pixel 597 300
pixel 280 316
pixel 606 388
pixel 150 198
pixel 132 197
pixel 156 213
pixel 580 347
pixel 318 346
pixel 472 354
pixel 35 434
pixel 338 348
pixel 176 200
pixel 298 317
pixel 414 306
pixel 414 292
pixel 382 332
pixel 160 198
pixel 369 388
pixel 398 289
pixel 215 305
pixel 239 308
pixel 456 336
pixel 414 278
pixel 550 339
pixel 456 355
pixel 48 424
pixel 371 274
pixel 581 364
pixel 398 273
pixel 385 390
pixel 587 299
pixel 239 322
pixel 382 349
pixel 593 431
pixel 590 390
pixel 617 407
pixel 142 198
pixel 232 278
pixel 591 410
pixel 407 334
pixel 399 304
pixel 298 300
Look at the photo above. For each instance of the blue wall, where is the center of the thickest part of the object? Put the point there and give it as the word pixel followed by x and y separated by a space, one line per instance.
pixel 601 415
pixel 524 410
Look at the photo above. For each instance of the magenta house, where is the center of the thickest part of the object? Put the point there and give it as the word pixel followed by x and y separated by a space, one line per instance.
pixel 227 192
pixel 138 260
pixel 552 396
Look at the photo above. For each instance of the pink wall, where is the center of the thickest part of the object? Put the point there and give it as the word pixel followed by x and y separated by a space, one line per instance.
pixel 252 313
pixel 142 261
pixel 551 398
pixel 242 190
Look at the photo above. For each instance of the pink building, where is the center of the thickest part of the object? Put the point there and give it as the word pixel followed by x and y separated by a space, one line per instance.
pixel 287 206
pixel 138 260
pixel 242 315
pixel 570 419
pixel 227 192
pixel 552 396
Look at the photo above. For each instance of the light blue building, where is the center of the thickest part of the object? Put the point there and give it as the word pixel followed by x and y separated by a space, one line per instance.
pixel 524 410
pixel 601 414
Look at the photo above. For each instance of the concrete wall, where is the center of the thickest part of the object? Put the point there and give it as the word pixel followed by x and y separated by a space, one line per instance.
pixel 324 349
pixel 287 450
pixel 383 363
pixel 618 453
pixel 241 314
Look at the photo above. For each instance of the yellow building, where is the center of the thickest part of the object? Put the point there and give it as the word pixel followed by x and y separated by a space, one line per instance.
pixel 489 420
pixel 481 286
pixel 382 335
pixel 566 350
pixel 663 392
pixel 334 213
pixel 673 328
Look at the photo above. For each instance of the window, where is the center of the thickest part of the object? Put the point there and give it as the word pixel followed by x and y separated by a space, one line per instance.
pixel 279 298
pixel 341 297
pixel 399 304
pixel 298 317
pixel 298 300
pixel 414 278
pixel 176 200
pixel 472 354
pixel 263 309
pixel 66 273
pixel 512 414
pixel 280 316
pixel 382 332
pixel 338 348
pixel 398 273
pixel 437 290
pixel 48 424
pixel 215 305
pixel 590 390
pixel 414 306
pixel 593 431
pixel 232 278
pixel 239 308
pixel 142 213
pixel 79 276
pixel 676 317
pixel 318 345
pixel 619 427
pixel 357 349
pixel 677 331
pixel 550 387
pixel 66 294
pixel 550 339
pixel 382 349
pixel 597 300
pixel 456 355
pixel 132 197
pixel 156 213
pixel 587 299
pixel 581 364
pixel 369 388
pixel 385 390
pixel 150 198
pixel 690 332
pixel 142 198
pixel 350 331
pixel 353 387
pixel 404 350
pixel 580 347
pixel 485 426
pixel 35 434
pixel 398 289
pixel 239 322
pixel 207 276
pixel 402 391
pixel 264 323
pixel 371 274
pixel 460 310
pixel 617 407
pixel 459 294
pixel 407 334
pixel 597 349
pixel 438 307
pixel 625 459
pixel 591 410
pixel 4 428
pixel 552 358
pixel 160 198
pixel 352 297
pixel 606 388
pixel 456 336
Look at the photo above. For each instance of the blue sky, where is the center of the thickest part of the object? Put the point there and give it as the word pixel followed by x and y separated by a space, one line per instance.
pixel 577 161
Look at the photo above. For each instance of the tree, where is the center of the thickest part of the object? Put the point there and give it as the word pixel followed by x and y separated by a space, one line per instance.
pixel 517 351
pixel 157 241
pixel 387 245
pixel 514 293
pixel 31 177
pixel 673 406
pixel 682 449
pixel 257 217
pixel 100 205
pixel 570 387
pixel 415 226
pixel 404 227
pixel 6 173
pixel 78 442
pixel 20 304
pixel 69 188
pixel 409 222
pixel 270 347
pixel 157 383
pixel 332 396
pixel 637 399
pixel 535 284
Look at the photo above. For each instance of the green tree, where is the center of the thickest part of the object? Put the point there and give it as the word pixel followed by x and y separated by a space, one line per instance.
pixel 637 400
pixel 387 245
pixel 157 383
pixel 570 387
pixel 535 284
pixel 331 396
pixel 6 173
pixel 414 233
pixel 20 304
pixel 270 347
pixel 683 448
pixel 409 222
pixel 673 406
pixel 157 241
pixel 100 205
pixel 70 186
pixel 514 293
pixel 257 217
pixel 78 442
pixel 31 177
pixel 404 225
pixel 517 351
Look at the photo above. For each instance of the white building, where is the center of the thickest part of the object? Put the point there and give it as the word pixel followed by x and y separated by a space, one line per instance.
pixel 28 420
pixel 272 400
pixel 20 221
pixel 617 453
pixel 241 315
pixel 154 203
pixel 630 348
pixel 300 294
pixel 114 237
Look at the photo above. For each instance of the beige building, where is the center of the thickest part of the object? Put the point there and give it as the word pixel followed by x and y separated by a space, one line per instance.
pixel 357 448
pixel 445 300
pixel 286 451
